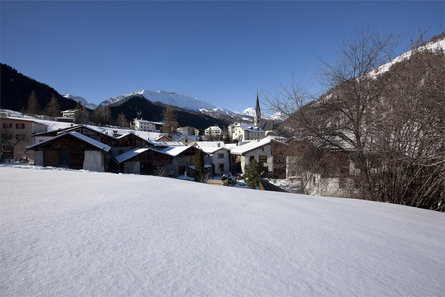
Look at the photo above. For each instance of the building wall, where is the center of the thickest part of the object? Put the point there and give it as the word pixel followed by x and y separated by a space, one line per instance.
pixel 225 161
pixel 132 167
pixel 94 160
pixel 265 150
pixel 38 158
pixel 334 186
pixel 20 134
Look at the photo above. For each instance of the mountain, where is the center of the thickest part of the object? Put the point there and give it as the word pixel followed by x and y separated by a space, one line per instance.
pixel 250 111
pixel 81 100
pixel 137 104
pixel 165 97
pixel 16 89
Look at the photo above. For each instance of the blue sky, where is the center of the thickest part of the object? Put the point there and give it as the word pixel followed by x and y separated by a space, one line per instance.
pixel 219 52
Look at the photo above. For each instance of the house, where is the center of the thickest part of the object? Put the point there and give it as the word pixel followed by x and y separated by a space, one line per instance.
pixel 213 131
pixel 148 126
pixel 127 142
pixel 71 150
pixel 164 138
pixel 16 135
pixel 183 158
pixel 243 132
pixel 217 155
pixel 188 130
pixel 271 151
pixel 69 113
pixel 188 139
pixel 142 161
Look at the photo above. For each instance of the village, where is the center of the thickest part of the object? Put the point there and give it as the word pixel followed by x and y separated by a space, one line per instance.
pixel 143 149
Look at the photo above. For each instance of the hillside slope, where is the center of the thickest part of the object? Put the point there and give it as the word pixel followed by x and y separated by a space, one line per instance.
pixel 16 89
pixel 129 235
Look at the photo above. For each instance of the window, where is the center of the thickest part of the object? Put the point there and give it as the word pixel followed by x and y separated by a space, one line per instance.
pixel 263 159
pixel 20 126
pixel 251 158
pixel 220 156
pixel 7 125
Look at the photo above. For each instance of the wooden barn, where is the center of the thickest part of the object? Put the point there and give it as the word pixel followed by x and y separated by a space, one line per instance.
pixel 142 161
pixel 71 150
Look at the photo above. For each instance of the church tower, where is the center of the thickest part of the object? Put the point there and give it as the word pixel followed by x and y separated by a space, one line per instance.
pixel 257 117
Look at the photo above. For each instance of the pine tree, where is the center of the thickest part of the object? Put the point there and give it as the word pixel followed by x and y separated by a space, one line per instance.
pixel 199 166
pixel 252 173
pixel 33 104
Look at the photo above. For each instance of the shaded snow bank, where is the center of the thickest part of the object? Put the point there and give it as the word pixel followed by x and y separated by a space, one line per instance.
pixel 78 233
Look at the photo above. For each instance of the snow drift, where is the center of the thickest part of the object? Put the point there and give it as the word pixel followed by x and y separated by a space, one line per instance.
pixel 77 233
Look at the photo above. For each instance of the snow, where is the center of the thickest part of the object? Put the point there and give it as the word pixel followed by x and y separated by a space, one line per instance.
pixel 251 145
pixel 175 150
pixel 131 235
pixel 81 100
pixel 431 46
pixel 250 111
pixel 171 98
pixel 130 154
pixel 95 143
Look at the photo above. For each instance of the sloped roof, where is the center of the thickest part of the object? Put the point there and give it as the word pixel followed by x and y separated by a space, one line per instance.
pixel 133 153
pixel 175 150
pixel 242 149
pixel 209 147
pixel 95 143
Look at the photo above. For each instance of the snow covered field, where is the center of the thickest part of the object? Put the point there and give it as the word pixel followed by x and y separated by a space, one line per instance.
pixel 77 233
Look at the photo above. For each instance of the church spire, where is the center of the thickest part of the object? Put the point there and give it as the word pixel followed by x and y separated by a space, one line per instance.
pixel 257 117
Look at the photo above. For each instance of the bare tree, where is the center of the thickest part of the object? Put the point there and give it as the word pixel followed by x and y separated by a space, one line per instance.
pixel 53 107
pixel 122 120
pixel 389 123
pixel 170 121
pixel 82 115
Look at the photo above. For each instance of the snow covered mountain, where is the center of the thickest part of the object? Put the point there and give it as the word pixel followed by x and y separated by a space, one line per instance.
pixel 165 97
pixel 437 44
pixel 250 111
pixel 81 100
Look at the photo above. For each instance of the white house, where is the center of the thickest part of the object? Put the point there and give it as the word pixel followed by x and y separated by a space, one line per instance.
pixel 148 126
pixel 271 151
pixel 188 139
pixel 217 155
pixel 243 132
pixel 69 113
pixel 213 131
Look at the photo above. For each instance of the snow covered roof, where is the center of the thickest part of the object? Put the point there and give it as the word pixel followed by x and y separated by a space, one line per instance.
pixel 250 128
pixel 242 149
pixel 95 143
pixel 130 154
pixel 166 143
pixel 209 147
pixel 192 137
pixel 213 128
pixel 175 150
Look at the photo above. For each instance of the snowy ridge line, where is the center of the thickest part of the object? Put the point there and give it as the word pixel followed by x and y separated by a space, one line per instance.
pixel 431 46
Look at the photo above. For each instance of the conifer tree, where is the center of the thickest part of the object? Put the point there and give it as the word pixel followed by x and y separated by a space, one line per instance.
pixel 33 104
pixel 252 173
